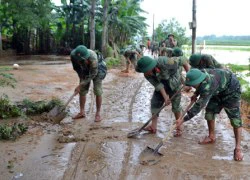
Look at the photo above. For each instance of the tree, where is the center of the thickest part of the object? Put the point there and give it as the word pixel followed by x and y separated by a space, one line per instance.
pixel 172 26
pixel 105 26
pixel 92 24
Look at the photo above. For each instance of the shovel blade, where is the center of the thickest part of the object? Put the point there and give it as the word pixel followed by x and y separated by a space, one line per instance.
pixel 55 111
pixel 58 118
pixel 133 133
pixel 149 156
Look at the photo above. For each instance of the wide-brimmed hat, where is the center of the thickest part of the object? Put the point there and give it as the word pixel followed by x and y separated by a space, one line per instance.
pixel 145 64
pixel 194 77
pixel 84 53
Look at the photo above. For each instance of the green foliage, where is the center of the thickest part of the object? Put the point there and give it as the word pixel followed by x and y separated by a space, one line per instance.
pixel 26 107
pixel 8 132
pixel 7 109
pixel 110 52
pixel 238 68
pixel 6 79
pixel 112 62
pixel 32 108
pixel 125 21
pixel 246 94
pixel 225 40
pixel 172 26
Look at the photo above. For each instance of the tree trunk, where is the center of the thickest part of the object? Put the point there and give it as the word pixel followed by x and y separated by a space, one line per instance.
pixel 105 27
pixel 1 43
pixel 92 25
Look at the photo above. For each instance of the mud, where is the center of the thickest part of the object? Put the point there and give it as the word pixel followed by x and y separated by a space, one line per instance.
pixel 83 149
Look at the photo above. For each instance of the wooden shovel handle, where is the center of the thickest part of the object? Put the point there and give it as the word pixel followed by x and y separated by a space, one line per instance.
pixel 71 97
pixel 174 126
pixel 154 115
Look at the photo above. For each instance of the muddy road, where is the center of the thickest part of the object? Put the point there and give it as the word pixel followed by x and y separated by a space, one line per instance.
pixel 82 149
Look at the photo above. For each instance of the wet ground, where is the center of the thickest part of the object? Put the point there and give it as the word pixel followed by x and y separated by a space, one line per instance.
pixel 83 149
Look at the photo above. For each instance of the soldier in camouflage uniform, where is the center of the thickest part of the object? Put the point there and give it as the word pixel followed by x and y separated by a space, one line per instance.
pixel 178 53
pixel 85 63
pixel 131 56
pixel 171 42
pixel 217 89
pixel 164 76
pixel 164 51
pixel 201 61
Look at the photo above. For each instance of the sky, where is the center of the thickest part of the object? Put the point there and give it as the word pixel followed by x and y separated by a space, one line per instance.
pixel 218 17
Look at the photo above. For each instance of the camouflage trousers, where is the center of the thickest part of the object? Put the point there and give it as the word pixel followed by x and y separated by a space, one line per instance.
pixel 230 103
pixel 97 87
pixel 157 100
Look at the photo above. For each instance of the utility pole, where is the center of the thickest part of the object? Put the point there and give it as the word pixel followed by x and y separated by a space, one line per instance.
pixel 153 39
pixel 194 27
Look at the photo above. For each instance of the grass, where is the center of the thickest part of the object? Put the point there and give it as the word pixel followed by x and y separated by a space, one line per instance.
pixel 6 79
pixel 227 42
pixel 238 68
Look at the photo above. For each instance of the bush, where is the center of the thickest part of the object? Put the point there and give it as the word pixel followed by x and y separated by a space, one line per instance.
pixel 112 62
pixel 32 108
pixel 12 131
pixel 7 109
pixel 6 79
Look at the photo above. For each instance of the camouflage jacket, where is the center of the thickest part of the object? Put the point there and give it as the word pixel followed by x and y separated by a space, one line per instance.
pixel 171 45
pixel 167 69
pixel 86 69
pixel 208 61
pixel 219 82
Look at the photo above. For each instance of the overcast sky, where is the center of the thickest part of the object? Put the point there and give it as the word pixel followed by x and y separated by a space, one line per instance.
pixel 219 17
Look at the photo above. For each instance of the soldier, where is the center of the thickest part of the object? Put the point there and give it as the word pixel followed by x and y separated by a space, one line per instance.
pixel 201 61
pixel 171 43
pixel 178 53
pixel 85 63
pixel 164 76
pixel 131 56
pixel 164 51
pixel 217 89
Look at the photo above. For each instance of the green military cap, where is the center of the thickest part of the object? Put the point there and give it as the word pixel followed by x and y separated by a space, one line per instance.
pixel 195 59
pixel 194 77
pixel 170 35
pixel 145 64
pixel 177 52
pixel 84 53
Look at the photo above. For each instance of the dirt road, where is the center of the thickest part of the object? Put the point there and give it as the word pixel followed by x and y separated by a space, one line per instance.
pixel 89 150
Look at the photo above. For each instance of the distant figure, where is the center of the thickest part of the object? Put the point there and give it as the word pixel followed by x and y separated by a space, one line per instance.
pixel 155 49
pixel 131 55
pixel 148 45
pixel 171 43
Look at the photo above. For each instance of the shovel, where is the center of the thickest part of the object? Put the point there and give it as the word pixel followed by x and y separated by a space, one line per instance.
pixel 57 114
pixel 151 155
pixel 138 130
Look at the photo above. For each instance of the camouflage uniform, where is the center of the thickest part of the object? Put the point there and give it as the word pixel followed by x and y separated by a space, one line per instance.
pixel 169 45
pixel 208 61
pixel 167 76
pixel 167 51
pixel 220 89
pixel 87 70
pixel 131 54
